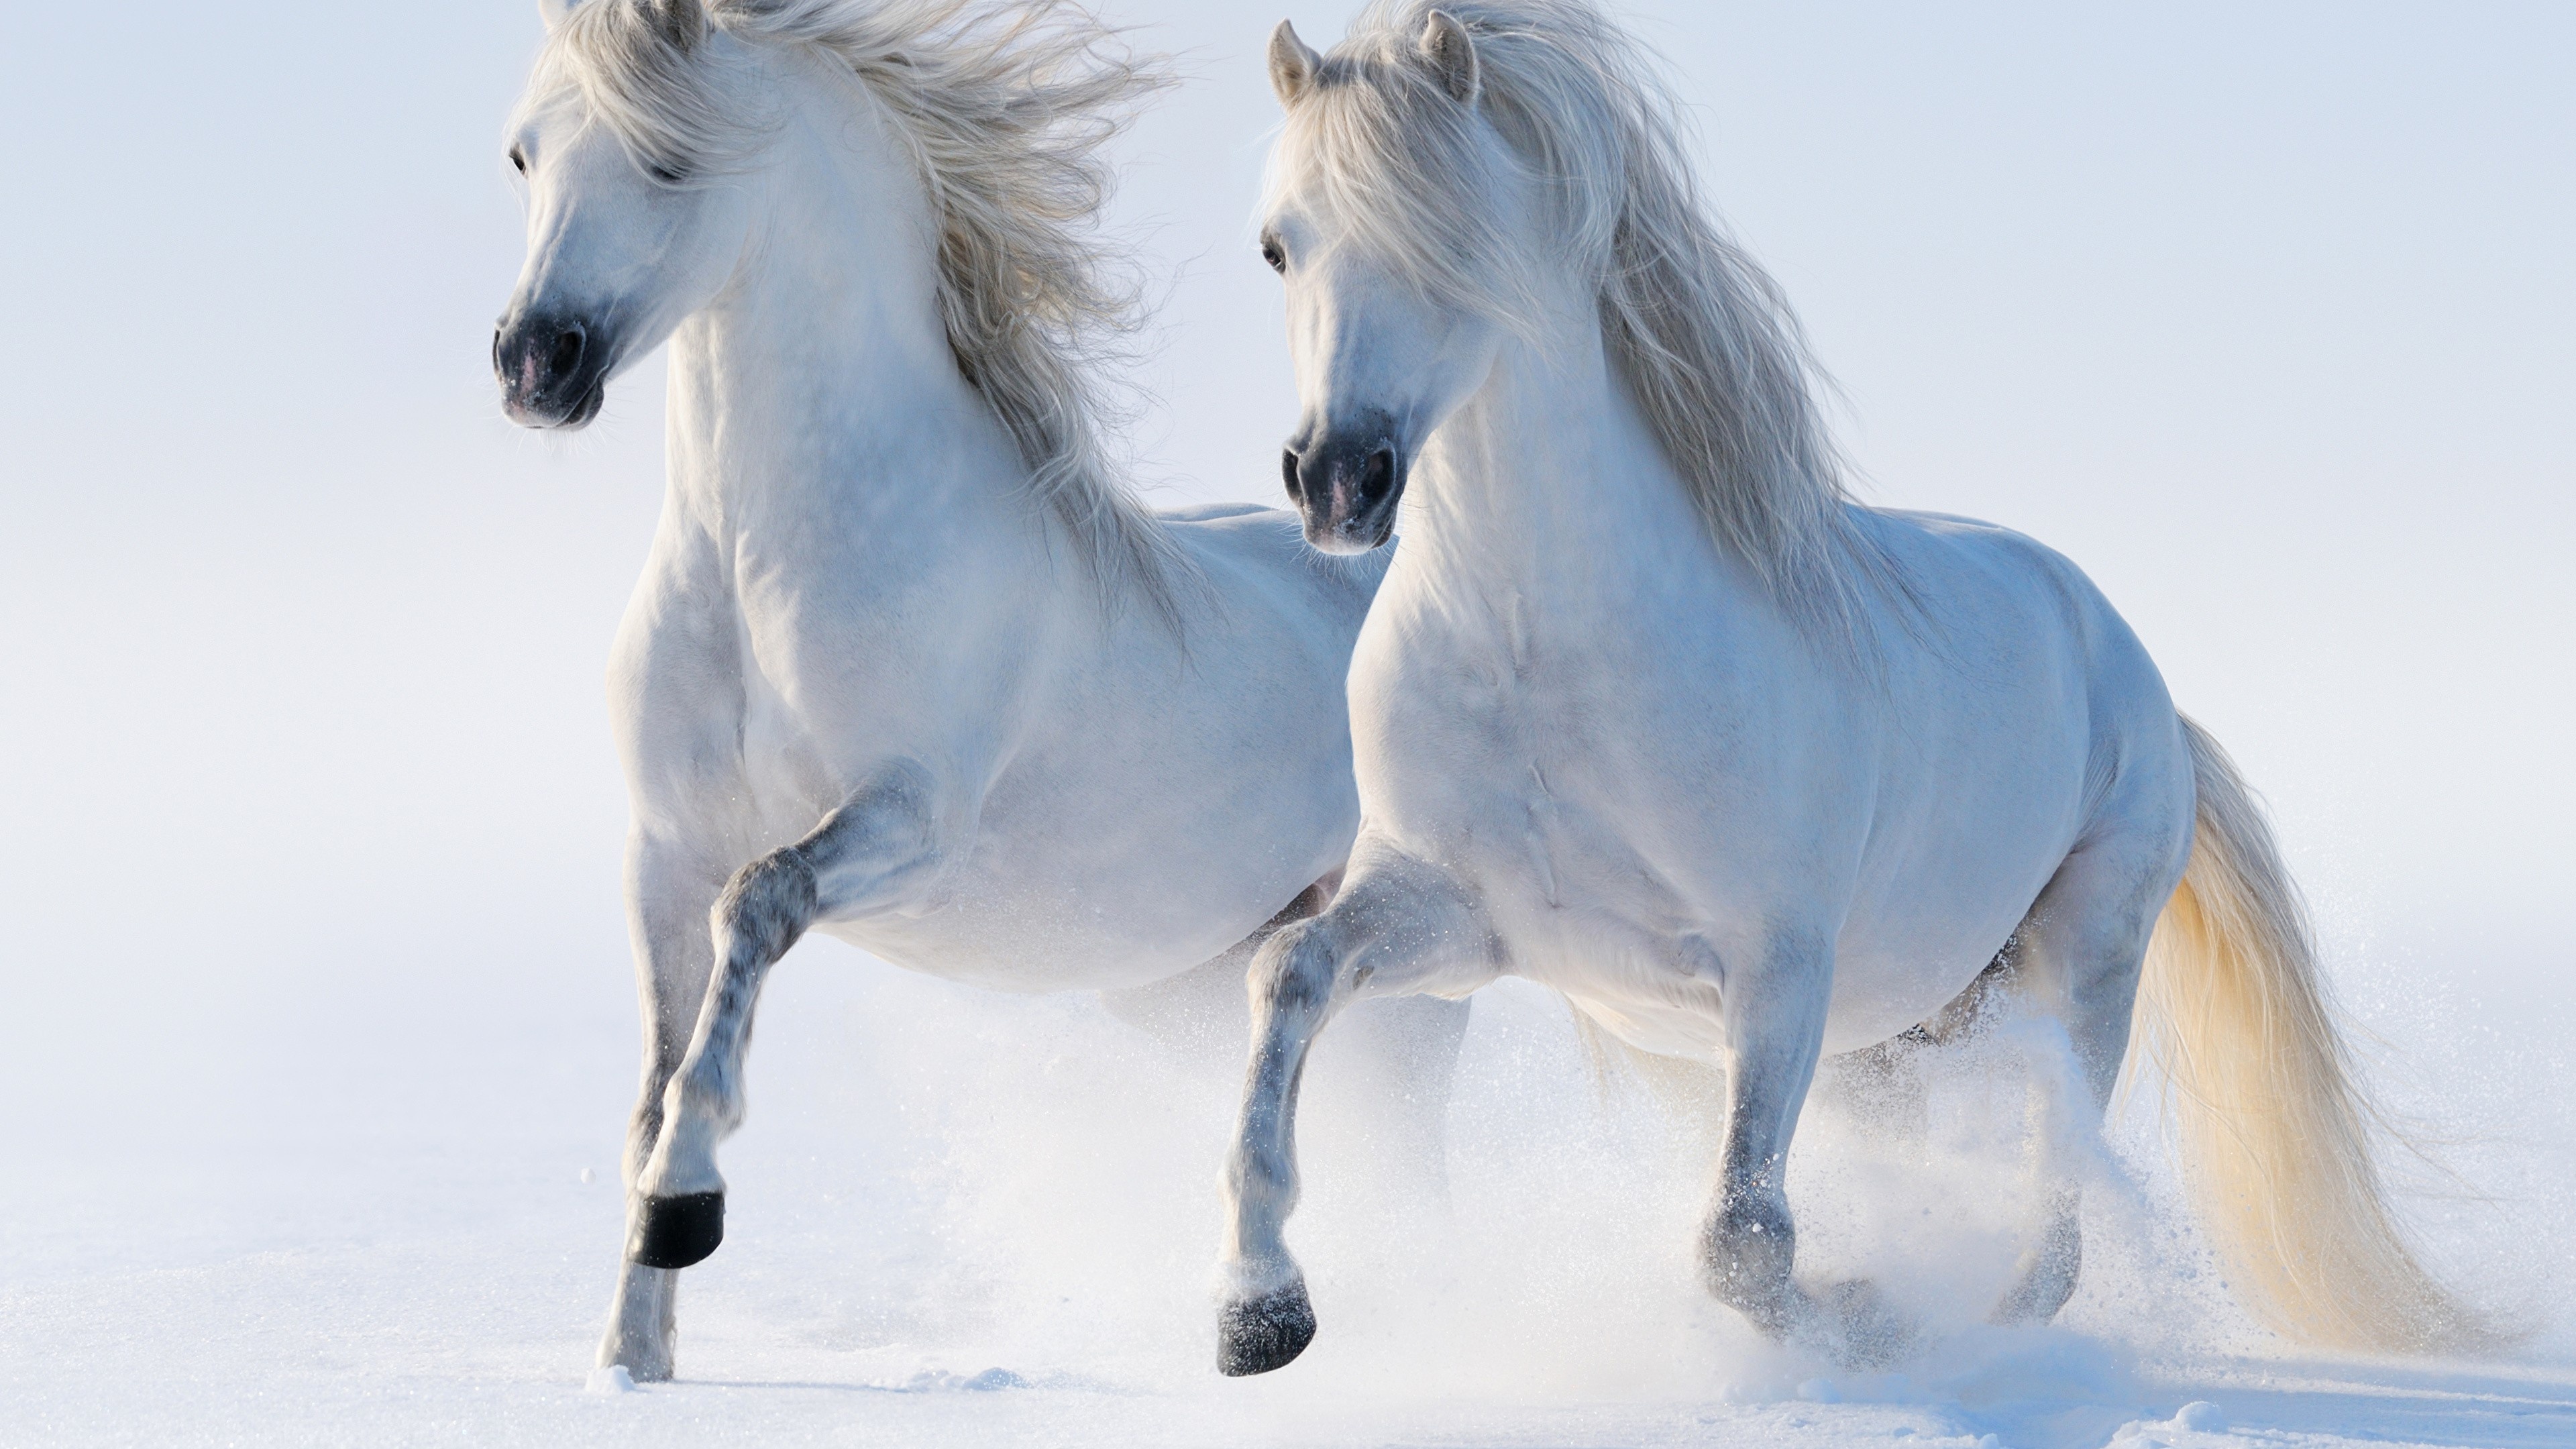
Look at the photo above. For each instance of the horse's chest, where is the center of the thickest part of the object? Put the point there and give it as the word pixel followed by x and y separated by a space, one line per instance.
pixel 1509 774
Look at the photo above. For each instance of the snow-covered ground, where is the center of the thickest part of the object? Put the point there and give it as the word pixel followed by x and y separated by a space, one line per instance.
pixel 968 1219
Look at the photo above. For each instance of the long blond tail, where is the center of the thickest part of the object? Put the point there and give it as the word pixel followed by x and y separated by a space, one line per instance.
pixel 2275 1126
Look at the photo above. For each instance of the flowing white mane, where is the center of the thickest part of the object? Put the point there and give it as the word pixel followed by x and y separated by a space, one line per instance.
pixel 1006 104
pixel 1701 334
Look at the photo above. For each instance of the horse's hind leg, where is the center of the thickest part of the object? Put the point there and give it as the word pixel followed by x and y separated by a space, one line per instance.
pixel 1883 1088
pixel 668 893
pixel 864 856
pixel 2077 960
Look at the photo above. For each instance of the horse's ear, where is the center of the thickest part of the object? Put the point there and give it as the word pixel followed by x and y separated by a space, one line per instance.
pixel 1293 65
pixel 684 21
pixel 1451 53
pixel 555 12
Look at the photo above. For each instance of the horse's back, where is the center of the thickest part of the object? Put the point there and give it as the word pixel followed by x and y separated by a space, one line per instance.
pixel 2001 610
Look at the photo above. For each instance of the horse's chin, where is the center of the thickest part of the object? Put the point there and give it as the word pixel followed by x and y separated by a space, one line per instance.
pixel 1354 537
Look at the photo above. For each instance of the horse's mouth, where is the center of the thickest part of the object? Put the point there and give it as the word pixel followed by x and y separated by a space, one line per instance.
pixel 1354 533
pixel 545 413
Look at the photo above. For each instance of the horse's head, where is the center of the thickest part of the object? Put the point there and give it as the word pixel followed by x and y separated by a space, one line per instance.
pixel 635 219
pixel 1403 222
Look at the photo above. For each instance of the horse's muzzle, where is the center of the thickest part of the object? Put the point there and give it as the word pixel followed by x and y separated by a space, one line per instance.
pixel 553 370
pixel 1346 486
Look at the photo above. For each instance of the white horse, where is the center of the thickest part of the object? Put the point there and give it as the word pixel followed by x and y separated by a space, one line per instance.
pixel 906 663
pixel 1649 711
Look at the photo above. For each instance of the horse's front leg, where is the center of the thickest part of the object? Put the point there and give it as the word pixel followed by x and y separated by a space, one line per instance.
pixel 669 889
pixel 1398 928
pixel 876 852
pixel 1774 1005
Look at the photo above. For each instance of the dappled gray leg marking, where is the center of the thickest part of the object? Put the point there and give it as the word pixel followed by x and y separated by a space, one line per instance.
pixel 1884 1088
pixel 1402 929
pixel 860 858
pixel 679 1220
pixel 1266 1320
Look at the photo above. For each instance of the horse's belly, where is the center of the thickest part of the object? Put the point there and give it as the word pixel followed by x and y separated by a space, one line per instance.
pixel 1007 946
pixel 1887 983
pixel 1619 897
pixel 1951 883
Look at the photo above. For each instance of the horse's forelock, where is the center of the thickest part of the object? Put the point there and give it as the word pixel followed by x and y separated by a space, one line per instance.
pixel 641 69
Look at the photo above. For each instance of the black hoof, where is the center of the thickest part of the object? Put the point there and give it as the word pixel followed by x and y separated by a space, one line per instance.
pixel 1264 1333
pixel 677 1232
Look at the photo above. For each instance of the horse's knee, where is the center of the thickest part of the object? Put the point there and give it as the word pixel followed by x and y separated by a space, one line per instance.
pixel 1293 974
pixel 767 905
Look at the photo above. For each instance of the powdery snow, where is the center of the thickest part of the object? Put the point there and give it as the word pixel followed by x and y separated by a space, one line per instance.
pixel 962 1219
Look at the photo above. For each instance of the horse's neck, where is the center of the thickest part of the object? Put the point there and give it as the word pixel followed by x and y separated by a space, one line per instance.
pixel 1548 486
pixel 819 390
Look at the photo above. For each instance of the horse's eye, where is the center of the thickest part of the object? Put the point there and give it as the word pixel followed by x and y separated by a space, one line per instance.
pixel 667 175
pixel 1270 253
pixel 519 160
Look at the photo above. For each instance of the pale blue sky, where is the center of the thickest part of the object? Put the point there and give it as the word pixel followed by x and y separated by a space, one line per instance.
pixel 2262 314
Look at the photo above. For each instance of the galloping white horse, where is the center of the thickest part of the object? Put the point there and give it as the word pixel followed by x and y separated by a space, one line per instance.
pixel 906 663
pixel 1647 710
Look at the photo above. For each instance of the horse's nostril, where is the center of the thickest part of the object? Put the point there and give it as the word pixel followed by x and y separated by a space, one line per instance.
pixel 1288 475
pixel 565 354
pixel 1377 473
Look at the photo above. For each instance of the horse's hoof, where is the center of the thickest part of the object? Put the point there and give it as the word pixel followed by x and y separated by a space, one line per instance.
pixel 1256 1335
pixel 677 1232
